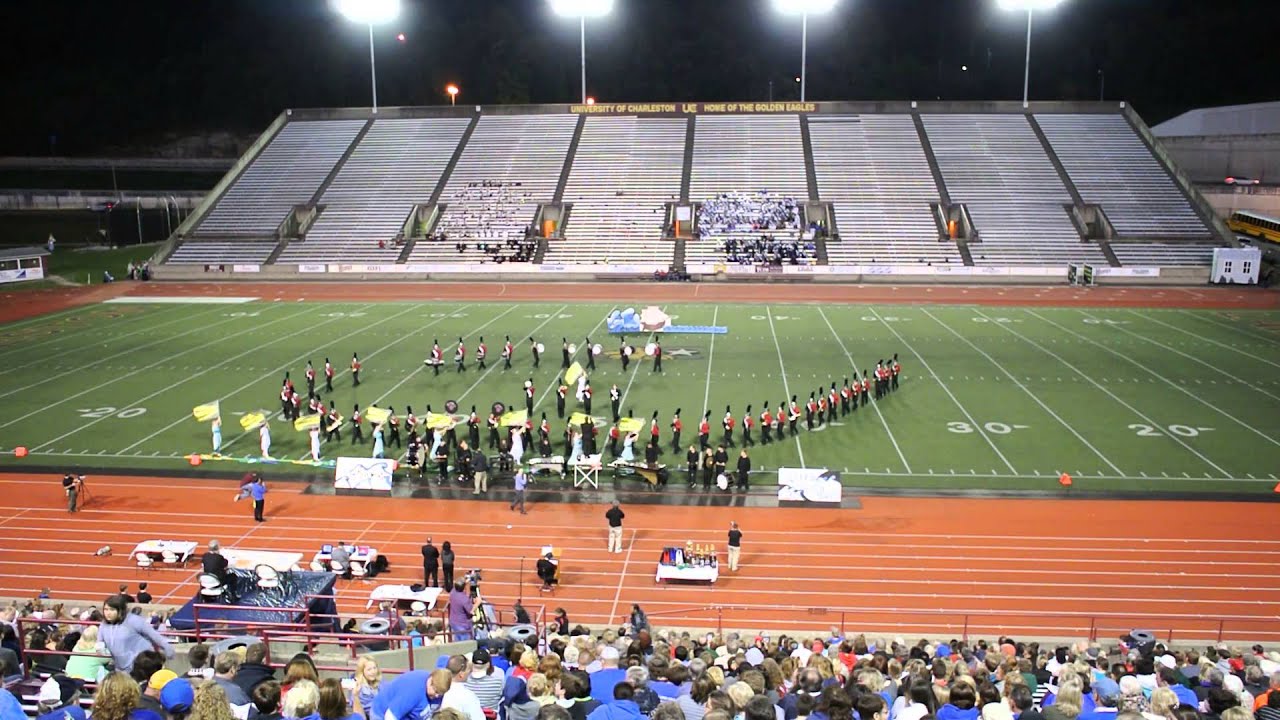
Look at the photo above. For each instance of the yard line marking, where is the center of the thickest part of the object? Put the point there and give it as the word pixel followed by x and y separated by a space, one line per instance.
pixel 782 366
pixel 622 401
pixel 1024 388
pixel 622 576
pixel 1234 350
pixel 1196 359
pixel 1229 326
pixel 271 371
pixel 924 363
pixel 1171 383
pixel 1134 410
pixel 852 362
pixel 51 378
pixel 147 367
pixel 168 388
pixel 711 356
pixel 26 348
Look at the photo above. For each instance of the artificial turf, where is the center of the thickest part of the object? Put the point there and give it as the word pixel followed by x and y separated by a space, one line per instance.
pixel 990 398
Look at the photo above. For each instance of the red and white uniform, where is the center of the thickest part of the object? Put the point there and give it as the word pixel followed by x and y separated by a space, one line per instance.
pixel 795 410
pixel 460 354
pixel 728 423
pixel 897 368
pixel 812 406
pixel 748 422
pixel 766 418
pixel 437 356
pixel 653 428
pixel 586 393
pixel 545 429
pixel 507 349
pixel 704 427
pixel 562 391
pixel 356 418
pixel 528 392
pixel 311 374
pixel 481 351
pixel 328 371
pixel 822 405
pixel 315 405
pixel 676 424
pixel 410 423
pixel 355 365
pixel 832 397
pixel 296 400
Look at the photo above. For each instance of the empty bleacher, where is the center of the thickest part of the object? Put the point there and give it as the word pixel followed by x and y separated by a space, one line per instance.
pixel 511 165
pixel 625 171
pixel 287 172
pixel 397 164
pixel 1111 166
pixel 1163 254
pixel 997 167
pixel 202 252
pixel 873 170
pixel 748 153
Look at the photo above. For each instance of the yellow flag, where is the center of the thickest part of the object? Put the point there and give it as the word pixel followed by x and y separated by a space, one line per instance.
pixel 306 422
pixel 512 418
pixel 376 415
pixel 206 412
pixel 578 418
pixel 571 375
pixel 630 425
pixel 439 421
pixel 249 421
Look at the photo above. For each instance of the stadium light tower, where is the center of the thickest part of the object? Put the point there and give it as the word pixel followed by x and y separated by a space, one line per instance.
pixel 370 12
pixel 1030 6
pixel 582 9
pixel 804 8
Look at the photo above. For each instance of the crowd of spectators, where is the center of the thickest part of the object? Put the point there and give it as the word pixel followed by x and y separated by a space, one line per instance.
pixel 488 210
pixel 510 250
pixel 637 672
pixel 748 211
pixel 768 250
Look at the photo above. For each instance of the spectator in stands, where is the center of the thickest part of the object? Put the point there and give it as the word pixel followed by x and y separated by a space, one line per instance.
pixel 198 658
pixel 575 694
pixel 213 563
pixel 408 696
pixel 1106 698
pixel 1068 701
pixel 808 683
pixel 117 698
pixel 88 664
pixel 520 704
pixel 125 634
pixel 645 697
pixel 300 667
pixel 623 706
pixel 368 680
pixel 254 670
pixel 484 681
pixel 1270 711
pixel 151 688
pixel 962 703
pixel 692 704
pixel 301 701
pixel 266 700
pixel 333 702
pixel 459 696
pixel 918 700
pixel 225 667
pixel 460 612
pixel 59 698
pixel 177 698
pixel 609 675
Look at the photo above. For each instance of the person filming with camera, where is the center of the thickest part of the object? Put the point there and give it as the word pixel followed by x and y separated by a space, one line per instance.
pixel 72 485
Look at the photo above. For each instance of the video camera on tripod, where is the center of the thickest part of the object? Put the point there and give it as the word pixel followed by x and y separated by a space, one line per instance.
pixel 473 578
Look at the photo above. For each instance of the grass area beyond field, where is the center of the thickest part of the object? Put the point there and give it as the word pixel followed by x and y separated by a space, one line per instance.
pixel 990 398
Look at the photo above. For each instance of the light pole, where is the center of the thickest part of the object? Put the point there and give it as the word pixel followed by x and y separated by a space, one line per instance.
pixel 1102 86
pixel 370 12
pixel 582 9
pixel 1030 6
pixel 804 8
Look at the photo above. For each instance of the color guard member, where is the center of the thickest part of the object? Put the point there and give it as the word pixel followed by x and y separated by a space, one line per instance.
pixel 393 427
pixel 561 392
pixel 615 399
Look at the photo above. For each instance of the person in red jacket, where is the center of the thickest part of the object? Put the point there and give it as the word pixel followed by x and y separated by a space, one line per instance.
pixel 728 424
pixel 704 431
pixel 676 427
pixel 748 422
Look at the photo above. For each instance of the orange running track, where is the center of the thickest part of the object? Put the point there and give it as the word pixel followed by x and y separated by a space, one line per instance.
pixel 918 566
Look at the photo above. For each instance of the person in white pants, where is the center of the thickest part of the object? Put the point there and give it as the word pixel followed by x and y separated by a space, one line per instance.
pixel 264 440
pixel 615 515
pixel 315 443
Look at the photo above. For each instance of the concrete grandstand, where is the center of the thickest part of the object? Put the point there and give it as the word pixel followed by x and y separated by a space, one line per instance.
pixel 902 191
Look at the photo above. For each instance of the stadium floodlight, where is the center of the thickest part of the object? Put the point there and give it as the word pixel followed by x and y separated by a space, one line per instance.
pixel 1030 6
pixel 804 8
pixel 370 13
pixel 452 91
pixel 582 9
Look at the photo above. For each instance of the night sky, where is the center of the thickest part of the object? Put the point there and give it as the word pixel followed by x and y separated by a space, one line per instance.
pixel 100 76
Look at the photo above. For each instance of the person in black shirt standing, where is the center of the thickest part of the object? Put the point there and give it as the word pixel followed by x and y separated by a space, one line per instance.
pixel 430 564
pixel 144 597
pixel 735 545
pixel 744 469
pixel 446 562
pixel 691 458
pixel 615 515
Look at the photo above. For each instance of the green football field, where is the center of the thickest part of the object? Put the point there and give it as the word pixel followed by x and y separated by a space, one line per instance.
pixel 990 398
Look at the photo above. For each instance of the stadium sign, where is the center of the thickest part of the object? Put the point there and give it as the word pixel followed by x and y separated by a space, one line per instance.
pixel 693 108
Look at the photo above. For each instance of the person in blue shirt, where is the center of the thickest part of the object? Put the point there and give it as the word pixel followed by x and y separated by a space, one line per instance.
pixel 10 708
pixel 623 706
pixel 604 680
pixel 407 697
pixel 258 491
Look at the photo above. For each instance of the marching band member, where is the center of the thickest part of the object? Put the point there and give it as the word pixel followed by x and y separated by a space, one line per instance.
pixel 437 357
pixel 494 440
pixel 410 422
pixel 748 422
pixel 533 346
pixel 822 406
pixel 544 430
pixel 780 421
pixel 328 376
pixel 676 427
pixel 704 430
pixel 561 391
pixel 895 368
pixel 414 456
pixel 615 399
pixel 728 423
pixel 866 387
pixel 653 429
pixel 657 355
pixel 614 435
pixel 333 426
pixel 809 409
pixel 315 406
pixel 311 378
pixel 624 354
pixel 766 425
pixel 355 369
pixel 264 439
pixel 507 350
pixel 295 404
pixel 879 379
pixel 315 443
pixel 460 356
pixel 833 397
pixel 357 426
pixel 285 408
pixel 564 353
pixel 481 351
pixel 393 424
pixel 691 462
pixel 528 390
pixel 845 394
pixel 586 398
pixel 473 429
pixel 793 416
pixel 708 468
pixel 591 356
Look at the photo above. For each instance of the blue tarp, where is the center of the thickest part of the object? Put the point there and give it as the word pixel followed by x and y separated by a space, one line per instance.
pixel 290 597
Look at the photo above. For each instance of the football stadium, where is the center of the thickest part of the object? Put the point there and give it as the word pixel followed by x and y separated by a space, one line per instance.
pixel 966 404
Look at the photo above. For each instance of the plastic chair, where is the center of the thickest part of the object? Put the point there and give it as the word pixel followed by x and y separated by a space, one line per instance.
pixel 337 568
pixel 144 561
pixel 268 578
pixel 358 571
pixel 317 566
pixel 169 558
pixel 418 607
pixel 211 586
